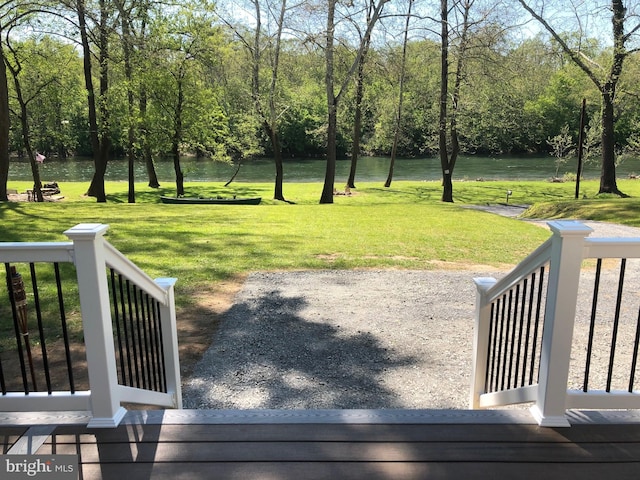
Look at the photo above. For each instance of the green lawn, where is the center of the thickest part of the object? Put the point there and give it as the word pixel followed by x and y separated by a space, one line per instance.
pixel 208 247
pixel 405 226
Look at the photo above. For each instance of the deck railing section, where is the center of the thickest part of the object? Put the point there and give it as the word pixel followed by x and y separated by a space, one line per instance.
pixel 525 329
pixel 129 351
pixel 608 356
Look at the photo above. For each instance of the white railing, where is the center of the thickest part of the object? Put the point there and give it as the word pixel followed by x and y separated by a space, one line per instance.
pixel 504 330
pixel 92 255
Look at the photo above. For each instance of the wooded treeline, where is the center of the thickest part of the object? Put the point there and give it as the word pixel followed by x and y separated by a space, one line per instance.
pixel 142 79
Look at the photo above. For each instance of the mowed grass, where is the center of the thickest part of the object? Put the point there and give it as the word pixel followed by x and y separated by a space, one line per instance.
pixel 405 226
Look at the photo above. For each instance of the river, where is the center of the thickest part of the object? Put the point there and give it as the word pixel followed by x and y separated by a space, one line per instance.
pixel 369 169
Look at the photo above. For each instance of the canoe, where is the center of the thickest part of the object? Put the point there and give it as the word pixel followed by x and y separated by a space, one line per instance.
pixel 211 201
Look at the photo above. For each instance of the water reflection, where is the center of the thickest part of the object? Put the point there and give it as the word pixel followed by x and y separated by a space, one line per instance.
pixel 300 170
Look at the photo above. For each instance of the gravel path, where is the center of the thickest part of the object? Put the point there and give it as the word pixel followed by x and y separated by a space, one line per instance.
pixel 353 339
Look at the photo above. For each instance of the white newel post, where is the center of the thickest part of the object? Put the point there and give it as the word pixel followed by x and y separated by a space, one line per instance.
pixel 170 339
pixel 88 240
pixel 480 340
pixel 564 276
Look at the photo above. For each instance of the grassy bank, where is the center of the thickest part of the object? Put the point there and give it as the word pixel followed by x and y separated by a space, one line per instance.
pixel 401 192
pixel 405 226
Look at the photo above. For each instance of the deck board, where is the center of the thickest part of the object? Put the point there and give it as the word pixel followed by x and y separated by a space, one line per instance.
pixel 356 471
pixel 9 436
pixel 176 446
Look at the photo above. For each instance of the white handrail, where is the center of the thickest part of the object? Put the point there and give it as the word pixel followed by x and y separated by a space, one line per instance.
pixel 116 260
pixel 612 248
pixel 15 252
pixel 92 254
pixel 565 252
pixel 530 264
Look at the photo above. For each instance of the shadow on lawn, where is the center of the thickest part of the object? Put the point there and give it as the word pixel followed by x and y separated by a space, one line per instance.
pixel 269 356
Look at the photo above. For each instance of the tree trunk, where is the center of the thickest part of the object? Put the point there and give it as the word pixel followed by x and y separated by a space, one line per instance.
pixel 392 164
pixel 270 120
pixel 178 170
pixel 131 121
pixel 608 183
pixel 398 125
pixel 447 192
pixel 177 138
pixel 607 88
pixel 98 139
pixel 333 98
pixel 330 172
pixel 147 154
pixel 357 121
pixel 26 140
pixel 4 128
pixel 146 148
pixel 277 158
pixel 332 117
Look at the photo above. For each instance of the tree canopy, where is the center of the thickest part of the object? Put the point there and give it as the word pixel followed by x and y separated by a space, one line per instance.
pixel 213 81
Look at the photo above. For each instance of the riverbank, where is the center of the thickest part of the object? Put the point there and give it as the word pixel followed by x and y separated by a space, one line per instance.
pixel 370 169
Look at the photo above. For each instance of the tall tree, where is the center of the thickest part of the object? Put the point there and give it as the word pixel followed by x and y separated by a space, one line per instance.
pixel 333 97
pixel 448 123
pixel 99 134
pixel 125 12
pixel 604 78
pixel 269 113
pixel 357 117
pixel 398 119
pixel 5 126
pixel 185 105
pixel 143 101
pixel 25 52
pixel 269 25
pixel 8 14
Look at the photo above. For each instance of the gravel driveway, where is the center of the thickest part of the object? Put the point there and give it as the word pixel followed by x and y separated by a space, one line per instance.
pixel 347 339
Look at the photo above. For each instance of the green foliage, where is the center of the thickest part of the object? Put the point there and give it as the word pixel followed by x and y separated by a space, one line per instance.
pixel 51 80
pixel 515 94
pixel 556 107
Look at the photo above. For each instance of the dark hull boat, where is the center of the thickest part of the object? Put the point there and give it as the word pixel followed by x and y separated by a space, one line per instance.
pixel 211 201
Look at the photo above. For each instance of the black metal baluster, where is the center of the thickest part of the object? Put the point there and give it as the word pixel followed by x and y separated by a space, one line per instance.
pixel 139 335
pixel 514 322
pixel 525 355
pixel 496 346
pixel 505 340
pixel 133 335
pixel 116 319
pixel 634 360
pixel 3 386
pixel 490 345
pixel 65 334
pixel 16 328
pixel 153 344
pixel 146 332
pixel 534 346
pixel 592 325
pixel 162 356
pixel 125 329
pixel 499 366
pixel 523 306
pixel 43 346
pixel 616 321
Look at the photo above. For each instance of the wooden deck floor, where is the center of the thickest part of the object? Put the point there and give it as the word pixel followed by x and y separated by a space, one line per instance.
pixel 338 444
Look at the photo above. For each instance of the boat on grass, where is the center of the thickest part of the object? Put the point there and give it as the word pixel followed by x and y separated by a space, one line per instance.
pixel 211 201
